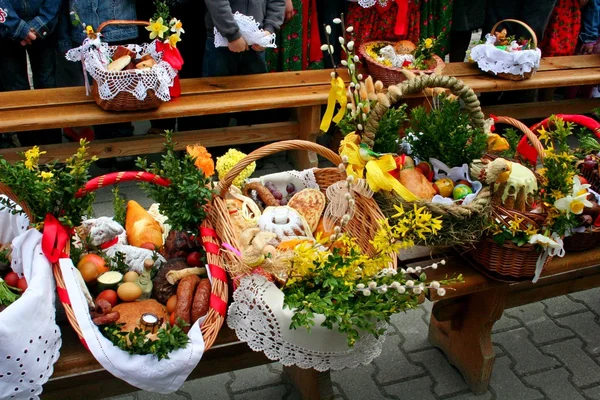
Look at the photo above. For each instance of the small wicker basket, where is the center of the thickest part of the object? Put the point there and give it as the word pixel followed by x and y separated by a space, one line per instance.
pixel 392 75
pixel 509 260
pixel 219 289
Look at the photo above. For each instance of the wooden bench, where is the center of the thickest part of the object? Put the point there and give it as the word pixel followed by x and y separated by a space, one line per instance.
pixel 461 322
pixel 304 92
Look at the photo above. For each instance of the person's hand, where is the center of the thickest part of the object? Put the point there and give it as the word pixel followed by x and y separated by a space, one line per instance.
pixel 31 36
pixel 238 45
pixel 257 47
pixel 289 10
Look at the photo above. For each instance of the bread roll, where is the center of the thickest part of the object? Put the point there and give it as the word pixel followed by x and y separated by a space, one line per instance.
pixel 119 64
pixel 404 47
pixel 141 227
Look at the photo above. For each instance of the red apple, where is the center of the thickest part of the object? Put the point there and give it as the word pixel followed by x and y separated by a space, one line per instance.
pixel 94 259
pixel 582 180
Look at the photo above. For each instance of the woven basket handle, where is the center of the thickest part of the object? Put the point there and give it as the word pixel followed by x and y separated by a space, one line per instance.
pixel 528 134
pixel 270 149
pixel 121 22
pixel 118 177
pixel 5 190
pixel 415 85
pixel 523 24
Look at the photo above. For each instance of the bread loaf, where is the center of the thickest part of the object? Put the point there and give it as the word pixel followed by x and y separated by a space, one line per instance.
pixel 141 227
pixel 309 203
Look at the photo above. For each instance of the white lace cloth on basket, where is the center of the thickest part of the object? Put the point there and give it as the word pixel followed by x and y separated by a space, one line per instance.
pixel 249 28
pixel 29 337
pixel 96 57
pixel 258 318
pixel 489 58
pixel 145 372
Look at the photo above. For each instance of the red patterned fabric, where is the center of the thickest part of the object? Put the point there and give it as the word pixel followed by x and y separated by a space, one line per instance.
pixel 379 23
pixel 560 37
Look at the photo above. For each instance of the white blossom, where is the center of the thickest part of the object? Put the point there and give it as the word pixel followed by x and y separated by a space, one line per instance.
pixel 356 59
pixel 341 39
pixel 395 285
pixel 410 270
pixel 333 75
pixel 360 127
pixel 344 159
pixel 349 29
pixel 434 285
pixel 359 77
pixel 434 266
pixel 410 283
pixel 443 262
pixel 350 45
pixel 401 290
pixel 417 290
pixel 328 29
pixel 324 47
pixel 360 286
pixel 372 285
pixel 366 292
pixel 337 21
pixel 441 292
pixel 383 289
pixel 344 63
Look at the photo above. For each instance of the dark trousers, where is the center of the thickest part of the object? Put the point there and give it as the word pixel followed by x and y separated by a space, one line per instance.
pixel 14 76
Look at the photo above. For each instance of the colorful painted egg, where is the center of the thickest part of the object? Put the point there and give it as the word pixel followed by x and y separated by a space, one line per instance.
pixel 461 191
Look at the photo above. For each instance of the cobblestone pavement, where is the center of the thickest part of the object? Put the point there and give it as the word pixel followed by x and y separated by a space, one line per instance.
pixel 545 350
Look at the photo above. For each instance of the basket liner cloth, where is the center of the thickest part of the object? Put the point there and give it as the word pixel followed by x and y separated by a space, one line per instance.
pixel 489 58
pixel 29 337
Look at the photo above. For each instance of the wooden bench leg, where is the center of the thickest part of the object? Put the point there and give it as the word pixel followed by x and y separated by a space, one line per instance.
pixel 310 383
pixel 462 329
pixel 309 119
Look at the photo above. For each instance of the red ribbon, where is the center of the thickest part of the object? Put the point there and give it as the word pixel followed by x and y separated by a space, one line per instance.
pixel 211 248
pixel 208 232
pixel 495 119
pixel 54 239
pixel 63 295
pixel 401 27
pixel 218 304
pixel 172 57
pixel 218 272
pixel 110 243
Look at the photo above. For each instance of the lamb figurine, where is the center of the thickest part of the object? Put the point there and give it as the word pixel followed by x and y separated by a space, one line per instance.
pixel 104 231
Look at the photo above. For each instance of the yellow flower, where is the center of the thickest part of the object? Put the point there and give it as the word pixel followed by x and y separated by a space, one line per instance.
pixel 176 26
pixel 32 157
pixel 497 229
pixel 557 194
pixel 173 39
pixel 228 161
pixel 515 225
pixel 530 231
pixel 157 28
pixel 571 204
pixel 544 135
pixel 46 175
pixel 428 43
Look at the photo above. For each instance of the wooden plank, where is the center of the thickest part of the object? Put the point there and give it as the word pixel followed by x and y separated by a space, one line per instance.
pixel 154 143
pixel 542 109
pixel 309 119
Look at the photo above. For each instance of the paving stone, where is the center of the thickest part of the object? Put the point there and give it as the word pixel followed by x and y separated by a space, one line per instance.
pixel 586 327
pixel 392 364
pixel 555 385
pixel 471 396
pixel 249 378
pixel 506 322
pixel 126 397
pixel 590 297
pixel 542 327
pixel 585 371
pixel 357 383
pixel 447 378
pixel 557 306
pixel 105 209
pixel 498 350
pixel 271 392
pixel 178 395
pixel 413 329
pixel 528 357
pixel 593 393
pixel 211 387
pixel 420 389
pixel 507 385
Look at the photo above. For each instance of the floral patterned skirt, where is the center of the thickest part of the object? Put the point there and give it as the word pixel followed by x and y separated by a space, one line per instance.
pixel 560 36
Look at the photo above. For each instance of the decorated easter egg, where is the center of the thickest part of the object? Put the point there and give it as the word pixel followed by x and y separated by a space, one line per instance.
pixel 444 187
pixel 461 191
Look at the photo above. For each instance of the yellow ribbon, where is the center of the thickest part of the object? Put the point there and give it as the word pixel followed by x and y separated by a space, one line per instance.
pixel 337 93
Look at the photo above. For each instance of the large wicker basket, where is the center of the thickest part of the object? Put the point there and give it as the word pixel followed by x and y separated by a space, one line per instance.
pixel 509 260
pixel 219 292
pixel 362 226
pixel 392 75
pixel 462 224
pixel 125 100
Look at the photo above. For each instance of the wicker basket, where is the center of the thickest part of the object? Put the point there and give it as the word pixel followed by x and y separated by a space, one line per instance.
pixel 510 260
pixel 392 75
pixel 124 100
pixel 214 319
pixel 590 238
pixel 455 217
pixel 516 77
pixel 362 226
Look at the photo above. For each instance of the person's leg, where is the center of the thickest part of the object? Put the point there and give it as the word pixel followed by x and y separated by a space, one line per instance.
pixel 13 76
pixel 536 14
pixel 459 43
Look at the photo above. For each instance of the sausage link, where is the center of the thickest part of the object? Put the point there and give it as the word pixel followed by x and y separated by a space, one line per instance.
pixel 201 300
pixel 185 296
pixel 107 318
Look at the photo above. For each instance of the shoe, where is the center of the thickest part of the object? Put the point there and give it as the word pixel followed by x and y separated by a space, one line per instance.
pixel 596 92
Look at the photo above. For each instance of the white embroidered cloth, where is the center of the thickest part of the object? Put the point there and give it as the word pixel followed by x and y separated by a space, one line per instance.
pixel 96 56
pixel 250 31
pixel 489 58
pixel 258 318
pixel 145 372
pixel 29 337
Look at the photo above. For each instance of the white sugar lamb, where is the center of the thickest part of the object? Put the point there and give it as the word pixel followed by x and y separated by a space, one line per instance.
pixel 102 231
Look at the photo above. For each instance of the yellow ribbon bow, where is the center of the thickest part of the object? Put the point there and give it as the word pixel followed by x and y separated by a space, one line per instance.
pixel 373 167
pixel 337 93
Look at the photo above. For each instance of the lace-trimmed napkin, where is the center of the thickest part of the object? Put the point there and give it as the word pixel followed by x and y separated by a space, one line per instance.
pixel 249 28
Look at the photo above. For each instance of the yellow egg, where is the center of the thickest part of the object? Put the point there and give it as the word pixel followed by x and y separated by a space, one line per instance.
pixel 130 276
pixel 129 291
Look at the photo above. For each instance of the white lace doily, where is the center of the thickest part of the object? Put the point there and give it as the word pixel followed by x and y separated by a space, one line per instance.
pixel 250 31
pixel 145 372
pixel 367 3
pixel 489 58
pixel 258 318
pixel 29 337
pixel 96 56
